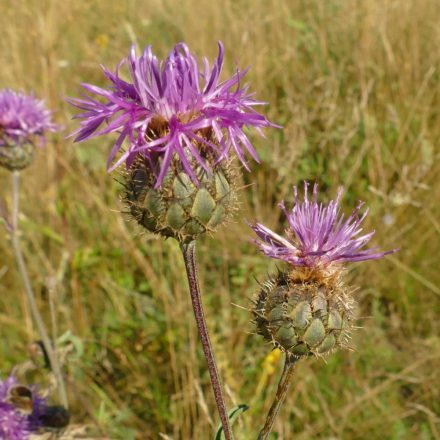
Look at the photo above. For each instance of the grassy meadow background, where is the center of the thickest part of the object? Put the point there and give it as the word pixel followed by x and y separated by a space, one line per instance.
pixel 355 84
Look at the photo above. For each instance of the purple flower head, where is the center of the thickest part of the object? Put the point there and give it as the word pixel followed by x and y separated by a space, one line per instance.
pixel 22 118
pixel 318 234
pixel 171 108
pixel 16 424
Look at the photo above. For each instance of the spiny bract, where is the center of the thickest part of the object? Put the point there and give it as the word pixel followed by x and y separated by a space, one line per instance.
pixel 303 318
pixel 16 157
pixel 179 208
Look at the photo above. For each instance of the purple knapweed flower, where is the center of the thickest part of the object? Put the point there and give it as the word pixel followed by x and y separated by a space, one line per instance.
pixel 318 234
pixel 15 423
pixel 22 118
pixel 171 108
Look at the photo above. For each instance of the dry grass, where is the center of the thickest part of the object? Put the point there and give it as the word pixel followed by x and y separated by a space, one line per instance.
pixel 356 86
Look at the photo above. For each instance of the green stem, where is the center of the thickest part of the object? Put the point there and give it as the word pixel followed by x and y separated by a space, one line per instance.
pixel 50 350
pixel 283 387
pixel 189 256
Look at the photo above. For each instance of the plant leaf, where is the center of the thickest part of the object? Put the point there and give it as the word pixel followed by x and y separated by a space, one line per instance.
pixel 233 415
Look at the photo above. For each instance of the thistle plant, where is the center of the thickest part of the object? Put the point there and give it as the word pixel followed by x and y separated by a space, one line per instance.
pixel 178 130
pixel 308 308
pixel 22 409
pixel 24 122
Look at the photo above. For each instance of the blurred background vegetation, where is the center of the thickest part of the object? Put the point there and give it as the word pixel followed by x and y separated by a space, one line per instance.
pixel 355 84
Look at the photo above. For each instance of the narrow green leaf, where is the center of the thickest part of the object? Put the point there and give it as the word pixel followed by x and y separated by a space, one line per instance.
pixel 233 415
pixel 69 338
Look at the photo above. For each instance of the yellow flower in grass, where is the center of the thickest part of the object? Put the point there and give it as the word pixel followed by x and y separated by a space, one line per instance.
pixel 271 360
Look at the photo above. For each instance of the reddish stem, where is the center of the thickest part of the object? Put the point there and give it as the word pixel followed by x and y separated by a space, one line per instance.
pixel 189 256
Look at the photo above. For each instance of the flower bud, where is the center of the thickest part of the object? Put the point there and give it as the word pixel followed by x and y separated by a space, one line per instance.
pixel 16 157
pixel 180 208
pixel 304 318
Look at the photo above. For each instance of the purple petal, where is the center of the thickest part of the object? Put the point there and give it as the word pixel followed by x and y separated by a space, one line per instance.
pixel 320 235
pixel 169 91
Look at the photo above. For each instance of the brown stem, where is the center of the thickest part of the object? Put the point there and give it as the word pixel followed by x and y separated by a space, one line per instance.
pixel 283 387
pixel 30 293
pixel 189 256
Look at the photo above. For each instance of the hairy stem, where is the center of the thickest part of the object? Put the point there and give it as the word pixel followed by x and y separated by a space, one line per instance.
pixel 283 387
pixel 189 256
pixel 15 239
